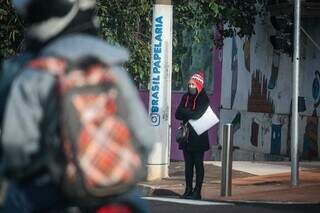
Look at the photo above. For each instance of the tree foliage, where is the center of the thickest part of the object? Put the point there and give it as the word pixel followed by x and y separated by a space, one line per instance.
pixel 11 30
pixel 129 24
pixel 236 17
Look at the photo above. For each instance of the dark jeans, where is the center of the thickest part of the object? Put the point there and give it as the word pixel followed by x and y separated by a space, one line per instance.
pixel 193 160
pixel 32 197
pixel 45 198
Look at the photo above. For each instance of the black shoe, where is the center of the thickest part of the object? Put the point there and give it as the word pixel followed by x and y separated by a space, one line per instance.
pixel 187 193
pixel 196 194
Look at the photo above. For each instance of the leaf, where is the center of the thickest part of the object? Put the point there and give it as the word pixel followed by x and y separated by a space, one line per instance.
pixel 3 12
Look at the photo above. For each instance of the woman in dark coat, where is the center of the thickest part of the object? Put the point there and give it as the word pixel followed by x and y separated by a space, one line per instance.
pixel 192 106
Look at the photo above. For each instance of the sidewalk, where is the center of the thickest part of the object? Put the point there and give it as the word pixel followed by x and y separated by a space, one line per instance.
pixel 265 182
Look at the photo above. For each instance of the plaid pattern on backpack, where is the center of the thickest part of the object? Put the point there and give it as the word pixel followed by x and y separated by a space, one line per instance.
pixel 101 159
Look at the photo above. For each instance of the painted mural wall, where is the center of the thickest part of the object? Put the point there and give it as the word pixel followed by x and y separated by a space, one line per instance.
pixel 256 94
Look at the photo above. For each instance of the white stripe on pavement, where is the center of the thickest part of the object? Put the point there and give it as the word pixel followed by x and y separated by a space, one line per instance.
pixel 190 202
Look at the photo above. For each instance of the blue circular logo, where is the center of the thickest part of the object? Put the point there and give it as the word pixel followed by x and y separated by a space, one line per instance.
pixel 155 119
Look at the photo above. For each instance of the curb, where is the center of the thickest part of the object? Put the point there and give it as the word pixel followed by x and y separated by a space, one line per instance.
pixel 146 190
pixel 267 203
pixel 154 191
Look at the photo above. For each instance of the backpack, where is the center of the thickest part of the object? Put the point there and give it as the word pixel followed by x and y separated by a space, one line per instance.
pixel 102 158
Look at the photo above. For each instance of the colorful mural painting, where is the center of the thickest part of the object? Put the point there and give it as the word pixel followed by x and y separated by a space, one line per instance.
pixel 276 139
pixel 310 143
pixel 316 89
pixel 275 69
pixel 236 122
pixel 310 136
pixel 264 122
pixel 259 100
pixel 254 133
pixel 262 133
pixel 246 53
pixel 256 95
pixel 234 70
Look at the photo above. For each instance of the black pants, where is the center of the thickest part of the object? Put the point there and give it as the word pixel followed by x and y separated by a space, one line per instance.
pixel 193 160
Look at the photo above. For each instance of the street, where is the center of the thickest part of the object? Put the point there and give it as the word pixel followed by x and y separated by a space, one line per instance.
pixel 168 205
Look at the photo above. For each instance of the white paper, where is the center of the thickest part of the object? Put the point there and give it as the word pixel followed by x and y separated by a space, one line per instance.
pixel 205 122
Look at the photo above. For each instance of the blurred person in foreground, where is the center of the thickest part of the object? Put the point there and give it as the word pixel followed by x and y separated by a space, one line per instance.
pixel 193 105
pixel 61 37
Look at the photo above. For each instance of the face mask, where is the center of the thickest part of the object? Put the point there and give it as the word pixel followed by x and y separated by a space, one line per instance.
pixel 192 91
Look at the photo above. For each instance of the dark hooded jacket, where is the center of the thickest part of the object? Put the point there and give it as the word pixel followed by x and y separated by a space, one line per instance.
pixel 193 107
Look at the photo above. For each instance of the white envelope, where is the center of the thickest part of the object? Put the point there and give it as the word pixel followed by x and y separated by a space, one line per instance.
pixel 205 122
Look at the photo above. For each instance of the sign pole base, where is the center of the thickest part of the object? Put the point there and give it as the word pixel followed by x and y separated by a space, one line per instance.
pixel 157 172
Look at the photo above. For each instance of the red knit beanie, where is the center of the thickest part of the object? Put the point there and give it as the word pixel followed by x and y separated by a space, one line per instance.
pixel 198 80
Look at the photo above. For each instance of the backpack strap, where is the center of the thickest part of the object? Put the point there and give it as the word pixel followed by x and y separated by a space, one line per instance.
pixel 54 65
pixel 10 69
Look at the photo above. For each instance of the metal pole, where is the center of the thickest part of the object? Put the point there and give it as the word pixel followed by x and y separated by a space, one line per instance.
pixel 295 94
pixel 226 158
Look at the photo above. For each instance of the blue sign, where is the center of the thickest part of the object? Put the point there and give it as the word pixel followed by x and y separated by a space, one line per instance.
pixel 156 68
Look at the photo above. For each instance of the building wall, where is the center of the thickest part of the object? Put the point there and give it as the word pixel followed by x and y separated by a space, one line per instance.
pixel 256 94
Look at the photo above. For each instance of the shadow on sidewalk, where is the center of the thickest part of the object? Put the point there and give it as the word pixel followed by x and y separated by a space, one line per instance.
pixel 246 187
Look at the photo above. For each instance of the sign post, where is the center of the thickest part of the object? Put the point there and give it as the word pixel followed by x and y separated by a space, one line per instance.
pixel 160 89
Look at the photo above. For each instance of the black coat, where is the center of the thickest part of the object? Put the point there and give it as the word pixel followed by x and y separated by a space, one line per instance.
pixel 196 143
